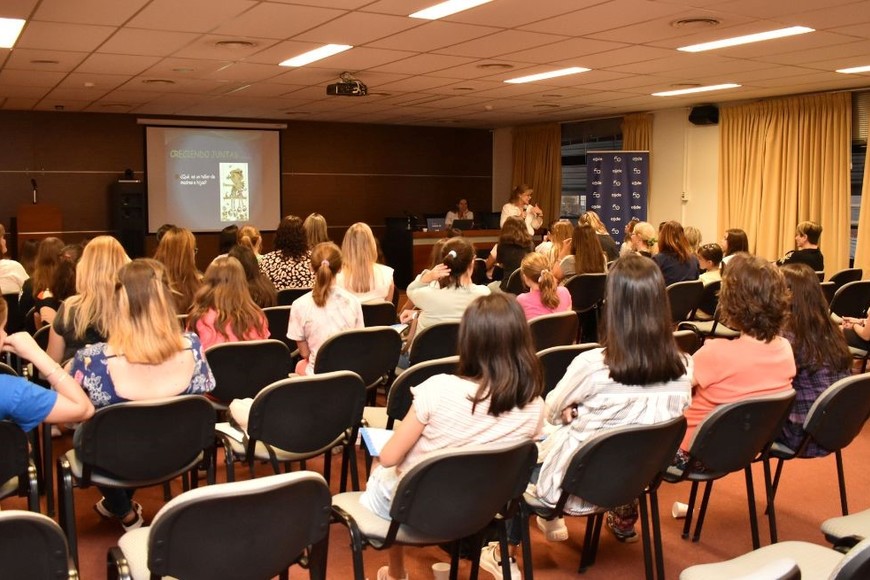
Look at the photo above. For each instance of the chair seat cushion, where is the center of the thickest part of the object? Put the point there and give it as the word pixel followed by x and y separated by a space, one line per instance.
pixel 705 328
pixel 375 417
pixel 134 544
pixel 854 525
pixel 9 487
pixel 76 467
pixel 674 474
pixel 375 528
pixel 261 452
pixel 780 451
pixel 814 561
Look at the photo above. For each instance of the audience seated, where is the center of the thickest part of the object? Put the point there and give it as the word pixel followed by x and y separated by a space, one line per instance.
pixel 177 252
pixel 608 245
pixel 584 256
pixel 806 241
pixel 494 397
pixel 12 274
pixel 316 229
pixel 514 243
pixel 38 288
pixel 675 256
pixel 627 247
pixel 289 264
pixel 262 290
pixel 556 239
pixel 62 286
pixel 328 309
pixel 360 274
pixel 249 236
pixel 545 296
pixel 735 240
pixel 644 239
pixel 222 309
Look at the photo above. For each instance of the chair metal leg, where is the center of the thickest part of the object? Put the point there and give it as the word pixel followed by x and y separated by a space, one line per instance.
pixel 167 491
pixel 657 534
pixel 596 537
pixel 586 555
pixel 687 525
pixel 66 507
pixel 48 469
pixel 771 509
pixel 708 488
pixel 753 517
pixel 503 550
pixel 327 465
pixel 841 477
pixel 645 537
pixel 454 560
pixel 317 559
pixel 32 489
pixel 525 516
pixel 477 544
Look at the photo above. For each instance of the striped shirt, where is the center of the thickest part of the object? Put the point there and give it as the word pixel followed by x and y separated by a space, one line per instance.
pixel 601 403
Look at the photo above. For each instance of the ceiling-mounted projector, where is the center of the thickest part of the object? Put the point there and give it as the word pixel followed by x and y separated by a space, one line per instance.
pixel 348 86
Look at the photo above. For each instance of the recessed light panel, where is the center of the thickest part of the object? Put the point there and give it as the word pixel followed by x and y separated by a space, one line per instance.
pixel 747 39
pixel 548 75
pixel 705 89
pixel 316 54
pixel 446 9
pixel 10 28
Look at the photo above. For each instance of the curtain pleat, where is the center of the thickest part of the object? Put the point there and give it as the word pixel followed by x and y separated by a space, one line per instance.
pixel 862 250
pixel 537 161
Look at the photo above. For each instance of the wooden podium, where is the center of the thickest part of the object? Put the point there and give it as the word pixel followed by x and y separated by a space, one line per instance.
pixel 37 221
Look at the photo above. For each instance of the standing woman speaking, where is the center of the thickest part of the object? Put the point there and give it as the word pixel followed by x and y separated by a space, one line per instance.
pixel 520 205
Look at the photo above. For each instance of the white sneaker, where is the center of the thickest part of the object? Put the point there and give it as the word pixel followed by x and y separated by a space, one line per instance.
pixel 492 564
pixel 555 530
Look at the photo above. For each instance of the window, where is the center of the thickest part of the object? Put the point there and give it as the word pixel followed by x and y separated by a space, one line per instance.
pixel 577 139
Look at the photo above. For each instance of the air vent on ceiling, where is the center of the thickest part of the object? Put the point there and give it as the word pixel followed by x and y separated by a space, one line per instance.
pixel 695 23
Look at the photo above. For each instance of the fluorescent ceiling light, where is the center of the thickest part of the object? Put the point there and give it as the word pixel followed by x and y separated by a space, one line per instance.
pixel 316 54
pixel 446 9
pixel 548 75
pixel 10 28
pixel 854 69
pixel 749 38
pixel 696 90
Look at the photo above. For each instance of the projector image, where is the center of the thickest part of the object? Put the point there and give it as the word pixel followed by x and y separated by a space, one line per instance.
pixel 352 88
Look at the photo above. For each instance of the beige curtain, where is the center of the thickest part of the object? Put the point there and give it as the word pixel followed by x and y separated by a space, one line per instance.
pixel 862 251
pixel 782 161
pixel 537 159
pixel 637 132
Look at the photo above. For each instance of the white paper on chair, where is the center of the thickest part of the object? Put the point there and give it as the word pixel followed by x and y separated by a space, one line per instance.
pixel 375 439
pixel 230 431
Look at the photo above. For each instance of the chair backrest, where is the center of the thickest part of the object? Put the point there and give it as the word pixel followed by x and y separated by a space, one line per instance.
pixel 14 319
pixel 515 284
pixel 379 314
pixel 5 369
pixel 146 440
pixel 556 359
pixel 839 413
pixel 41 336
pixel 261 527
pixel 478 275
pixel 305 414
pixel 278 319
pixel 372 353
pixel 399 398
pixel 851 299
pixel 33 547
pixel 14 453
pixel 688 341
pixel 734 434
pixel 710 297
pixel 288 295
pixel 845 276
pixel 436 341
pixel 855 565
pixel 684 298
pixel 30 321
pixel 587 291
pixel 828 289
pixel 243 369
pixel 615 466
pixel 557 329
pixel 455 493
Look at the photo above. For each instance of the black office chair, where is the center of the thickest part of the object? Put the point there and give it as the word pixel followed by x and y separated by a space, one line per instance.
pixel 243 369
pixel 557 329
pixel 684 298
pixel 288 295
pixel 729 439
pixel 300 418
pixel 709 301
pixel 835 419
pixel 613 468
pixel 33 547
pixel 555 361
pixel 247 529
pixel 515 284
pixel 436 341
pixel 372 353
pixel 688 341
pixel 17 471
pixel 379 314
pixel 452 494
pixel 14 319
pixel 278 319
pixel 851 299
pixel 136 444
pixel 587 299
pixel 845 276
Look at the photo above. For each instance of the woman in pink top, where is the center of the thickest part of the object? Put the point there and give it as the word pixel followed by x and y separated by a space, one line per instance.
pixel 753 300
pixel 223 310
pixel 545 296
pixel 494 397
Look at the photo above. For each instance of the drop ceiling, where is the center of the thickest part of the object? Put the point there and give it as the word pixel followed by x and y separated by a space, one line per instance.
pixel 163 57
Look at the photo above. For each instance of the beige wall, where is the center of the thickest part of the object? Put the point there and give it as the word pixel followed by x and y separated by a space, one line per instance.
pixel 502 166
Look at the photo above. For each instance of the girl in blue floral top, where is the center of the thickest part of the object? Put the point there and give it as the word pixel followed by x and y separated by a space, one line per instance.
pixel 146 357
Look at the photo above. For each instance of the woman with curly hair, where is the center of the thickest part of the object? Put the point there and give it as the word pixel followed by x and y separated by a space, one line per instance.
pixel 177 252
pixel 289 264
pixel 754 301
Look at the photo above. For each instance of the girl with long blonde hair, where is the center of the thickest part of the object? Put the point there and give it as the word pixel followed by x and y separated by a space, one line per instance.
pixel 315 229
pixel 249 236
pixel 545 296
pixel 222 309
pixel 145 357
pixel 360 274
pixel 177 252
pixel 586 257
pixel 83 318
pixel 328 309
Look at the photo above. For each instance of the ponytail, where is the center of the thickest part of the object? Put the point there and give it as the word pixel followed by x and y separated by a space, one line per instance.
pixel 326 263
pixel 536 268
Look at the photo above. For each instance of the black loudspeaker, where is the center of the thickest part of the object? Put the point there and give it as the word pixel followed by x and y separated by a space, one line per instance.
pixel 704 115
pixel 129 218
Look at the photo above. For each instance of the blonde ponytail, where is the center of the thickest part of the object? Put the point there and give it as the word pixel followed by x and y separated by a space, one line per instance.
pixel 326 263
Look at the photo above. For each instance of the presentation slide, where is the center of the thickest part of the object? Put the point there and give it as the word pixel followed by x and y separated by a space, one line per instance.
pixel 206 179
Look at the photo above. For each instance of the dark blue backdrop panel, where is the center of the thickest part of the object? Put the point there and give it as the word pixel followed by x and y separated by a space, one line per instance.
pixel 618 187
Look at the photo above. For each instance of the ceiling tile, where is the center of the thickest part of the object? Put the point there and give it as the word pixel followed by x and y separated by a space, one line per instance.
pixel 358 28
pixel 500 44
pixel 189 15
pixel 21 59
pixel 433 36
pixel 205 47
pixel 423 64
pixel 603 16
pixel 116 63
pixel 579 48
pixel 146 42
pixel 19 8
pixel 61 36
pixel 278 21
pixel 111 12
pixel 30 78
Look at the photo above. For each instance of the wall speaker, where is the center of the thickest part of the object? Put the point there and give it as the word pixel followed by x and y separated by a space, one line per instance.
pixel 704 115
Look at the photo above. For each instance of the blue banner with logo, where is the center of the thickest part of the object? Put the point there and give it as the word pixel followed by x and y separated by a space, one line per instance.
pixel 617 187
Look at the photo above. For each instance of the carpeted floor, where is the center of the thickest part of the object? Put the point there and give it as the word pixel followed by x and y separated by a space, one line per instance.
pixel 807 496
